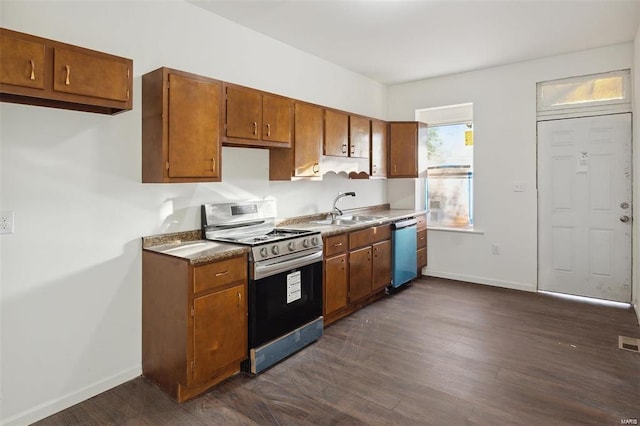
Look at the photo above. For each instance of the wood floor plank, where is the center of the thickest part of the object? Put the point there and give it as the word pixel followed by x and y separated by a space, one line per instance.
pixel 438 352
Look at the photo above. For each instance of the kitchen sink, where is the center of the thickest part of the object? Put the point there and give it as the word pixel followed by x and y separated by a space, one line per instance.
pixel 349 220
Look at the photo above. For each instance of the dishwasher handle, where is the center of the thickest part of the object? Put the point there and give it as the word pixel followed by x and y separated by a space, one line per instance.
pixel 404 224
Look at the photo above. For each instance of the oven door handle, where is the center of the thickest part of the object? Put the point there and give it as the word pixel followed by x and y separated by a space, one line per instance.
pixel 262 271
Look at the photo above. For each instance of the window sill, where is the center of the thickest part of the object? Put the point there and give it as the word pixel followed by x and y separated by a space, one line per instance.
pixel 461 230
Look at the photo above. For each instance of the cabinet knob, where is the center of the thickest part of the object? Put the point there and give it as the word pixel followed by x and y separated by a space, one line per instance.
pixel 33 70
pixel 66 81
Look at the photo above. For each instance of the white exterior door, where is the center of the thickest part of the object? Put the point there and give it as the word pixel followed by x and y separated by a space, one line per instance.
pixel 584 206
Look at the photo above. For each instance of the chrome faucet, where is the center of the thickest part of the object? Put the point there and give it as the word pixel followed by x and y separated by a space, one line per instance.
pixel 336 211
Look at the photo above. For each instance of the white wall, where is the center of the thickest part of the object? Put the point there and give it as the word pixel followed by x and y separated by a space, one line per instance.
pixel 70 275
pixel 635 289
pixel 504 103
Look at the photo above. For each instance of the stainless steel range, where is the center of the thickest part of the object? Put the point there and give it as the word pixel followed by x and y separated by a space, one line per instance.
pixel 285 278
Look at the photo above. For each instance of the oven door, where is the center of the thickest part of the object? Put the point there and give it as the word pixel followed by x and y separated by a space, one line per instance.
pixel 286 297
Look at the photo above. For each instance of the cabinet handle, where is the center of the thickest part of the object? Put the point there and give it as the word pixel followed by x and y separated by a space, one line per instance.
pixel 375 168
pixel 337 244
pixel 353 149
pixel 239 299
pixel 268 129
pixel 395 169
pixel 316 167
pixel 375 252
pixel 368 254
pixel 344 148
pixel 219 274
pixel 33 70
pixel 66 81
pixel 213 164
pixel 255 128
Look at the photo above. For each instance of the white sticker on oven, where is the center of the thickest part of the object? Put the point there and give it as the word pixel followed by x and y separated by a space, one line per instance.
pixel 294 291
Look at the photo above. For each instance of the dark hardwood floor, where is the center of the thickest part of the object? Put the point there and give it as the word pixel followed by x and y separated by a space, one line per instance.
pixel 439 352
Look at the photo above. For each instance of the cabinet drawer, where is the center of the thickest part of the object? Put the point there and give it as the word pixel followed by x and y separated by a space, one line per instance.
pixel 369 236
pixel 335 244
pixel 218 274
pixel 422 238
pixel 80 73
pixel 422 222
pixel 21 62
pixel 422 257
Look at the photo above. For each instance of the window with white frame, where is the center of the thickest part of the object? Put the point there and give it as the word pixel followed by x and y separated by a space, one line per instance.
pixel 449 183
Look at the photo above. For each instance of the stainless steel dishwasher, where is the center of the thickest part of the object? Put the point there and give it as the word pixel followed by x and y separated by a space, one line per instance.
pixel 403 252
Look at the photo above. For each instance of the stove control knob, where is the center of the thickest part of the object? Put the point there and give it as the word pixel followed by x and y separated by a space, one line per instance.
pixel 264 252
pixel 292 246
pixel 275 250
pixel 314 241
pixel 305 243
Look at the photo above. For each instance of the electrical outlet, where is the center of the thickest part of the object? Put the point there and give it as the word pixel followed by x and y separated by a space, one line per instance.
pixel 495 249
pixel 6 222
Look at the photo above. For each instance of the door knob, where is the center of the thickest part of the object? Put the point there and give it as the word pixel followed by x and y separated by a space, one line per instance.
pixel 624 219
pixel 624 205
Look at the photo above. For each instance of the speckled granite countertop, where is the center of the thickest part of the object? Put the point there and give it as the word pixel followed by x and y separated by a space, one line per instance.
pixel 190 246
pixel 385 214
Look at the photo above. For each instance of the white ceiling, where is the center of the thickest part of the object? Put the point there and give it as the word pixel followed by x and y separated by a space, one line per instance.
pixel 398 40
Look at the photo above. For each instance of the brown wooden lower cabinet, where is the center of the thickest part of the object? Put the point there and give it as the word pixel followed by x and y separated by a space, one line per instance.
pixel 194 322
pixel 421 243
pixel 357 269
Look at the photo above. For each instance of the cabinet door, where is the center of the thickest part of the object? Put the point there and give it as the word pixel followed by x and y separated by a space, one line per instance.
pixel 308 140
pixel 359 136
pixel 244 113
pixel 381 264
pixel 359 274
pixel 335 284
pixel 378 148
pixel 21 62
pixel 80 73
pixel 219 331
pixel 194 127
pixel 277 119
pixel 403 149
pixel 421 259
pixel 336 133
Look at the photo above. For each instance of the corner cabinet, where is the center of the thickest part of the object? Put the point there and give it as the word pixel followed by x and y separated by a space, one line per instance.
pixel 43 72
pixel 194 322
pixel 180 127
pixel 407 149
pixel 303 159
pixel 257 119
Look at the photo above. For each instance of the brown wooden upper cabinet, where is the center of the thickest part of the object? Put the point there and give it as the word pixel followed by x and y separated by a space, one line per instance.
pixel 181 115
pixel 336 133
pixel 255 118
pixel 346 135
pixel 359 136
pixel 378 160
pixel 303 160
pixel 43 72
pixel 407 149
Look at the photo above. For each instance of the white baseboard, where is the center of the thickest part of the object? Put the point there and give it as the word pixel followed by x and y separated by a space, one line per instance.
pixel 48 408
pixel 480 280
